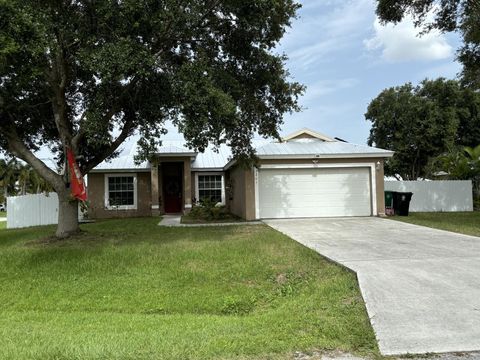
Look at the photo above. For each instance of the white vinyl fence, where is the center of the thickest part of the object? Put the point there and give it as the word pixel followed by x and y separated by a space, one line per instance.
pixel 33 210
pixel 451 195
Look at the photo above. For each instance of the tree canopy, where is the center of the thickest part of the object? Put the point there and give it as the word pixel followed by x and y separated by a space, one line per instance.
pixel 422 122
pixel 462 16
pixel 86 75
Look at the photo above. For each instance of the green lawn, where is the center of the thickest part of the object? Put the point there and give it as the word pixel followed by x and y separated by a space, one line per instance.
pixel 3 225
pixel 128 289
pixel 461 222
pixel 3 214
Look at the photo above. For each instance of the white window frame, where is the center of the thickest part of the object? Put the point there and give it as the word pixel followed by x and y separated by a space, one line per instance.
pixel 197 190
pixel 135 197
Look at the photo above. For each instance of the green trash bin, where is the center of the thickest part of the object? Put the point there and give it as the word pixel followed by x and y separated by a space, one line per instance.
pixel 389 195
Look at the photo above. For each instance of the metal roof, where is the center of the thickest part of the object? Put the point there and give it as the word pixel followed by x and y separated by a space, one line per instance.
pixel 217 159
pixel 125 161
pixel 313 147
pixel 212 158
pixel 176 148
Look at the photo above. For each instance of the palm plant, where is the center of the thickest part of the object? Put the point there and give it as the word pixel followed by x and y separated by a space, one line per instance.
pixel 473 160
pixel 460 164
pixel 8 175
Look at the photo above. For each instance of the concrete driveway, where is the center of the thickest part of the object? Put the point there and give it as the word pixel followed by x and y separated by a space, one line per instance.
pixel 421 286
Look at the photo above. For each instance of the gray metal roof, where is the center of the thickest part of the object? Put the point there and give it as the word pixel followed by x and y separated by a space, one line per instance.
pixel 174 147
pixel 212 159
pixel 313 147
pixel 125 161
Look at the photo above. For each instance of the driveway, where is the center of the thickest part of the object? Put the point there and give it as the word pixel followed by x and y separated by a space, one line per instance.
pixel 421 286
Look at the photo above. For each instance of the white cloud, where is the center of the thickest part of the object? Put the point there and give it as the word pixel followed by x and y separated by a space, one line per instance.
pixel 326 27
pixel 401 42
pixel 325 87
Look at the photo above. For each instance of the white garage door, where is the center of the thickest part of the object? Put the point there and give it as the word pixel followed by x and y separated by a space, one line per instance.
pixel 317 192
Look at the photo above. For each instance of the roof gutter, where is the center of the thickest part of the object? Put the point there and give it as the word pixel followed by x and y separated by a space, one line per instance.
pixel 179 154
pixel 132 170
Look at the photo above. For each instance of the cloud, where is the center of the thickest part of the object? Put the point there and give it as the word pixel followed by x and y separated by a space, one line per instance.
pixel 401 43
pixel 325 87
pixel 326 27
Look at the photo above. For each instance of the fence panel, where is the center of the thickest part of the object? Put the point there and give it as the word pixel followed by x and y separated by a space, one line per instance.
pixel 445 195
pixel 32 210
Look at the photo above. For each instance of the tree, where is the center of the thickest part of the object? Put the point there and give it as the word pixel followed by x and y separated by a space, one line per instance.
pixel 468 111
pixel 29 182
pixel 462 16
pixel 422 122
pixel 85 75
pixel 9 171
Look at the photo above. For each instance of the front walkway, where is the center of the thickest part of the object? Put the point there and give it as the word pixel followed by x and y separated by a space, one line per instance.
pixel 421 286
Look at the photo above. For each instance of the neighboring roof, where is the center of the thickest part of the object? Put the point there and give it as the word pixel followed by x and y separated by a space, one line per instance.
pixel 308 132
pixel 315 145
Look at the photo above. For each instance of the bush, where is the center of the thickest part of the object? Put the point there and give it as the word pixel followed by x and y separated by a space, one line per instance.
pixel 208 210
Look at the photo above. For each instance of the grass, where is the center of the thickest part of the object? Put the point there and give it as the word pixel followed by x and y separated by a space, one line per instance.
pixel 128 289
pixel 3 214
pixel 3 225
pixel 460 222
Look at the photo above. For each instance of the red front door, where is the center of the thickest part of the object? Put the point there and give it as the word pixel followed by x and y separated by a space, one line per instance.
pixel 172 187
pixel 173 195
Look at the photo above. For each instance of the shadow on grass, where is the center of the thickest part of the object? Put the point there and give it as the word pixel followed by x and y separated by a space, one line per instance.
pixel 141 235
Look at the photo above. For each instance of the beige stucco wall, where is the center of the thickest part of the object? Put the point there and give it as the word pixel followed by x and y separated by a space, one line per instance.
pixel 96 197
pixel 237 202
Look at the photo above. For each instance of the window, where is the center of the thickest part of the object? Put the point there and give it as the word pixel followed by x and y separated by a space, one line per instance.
pixel 121 191
pixel 210 186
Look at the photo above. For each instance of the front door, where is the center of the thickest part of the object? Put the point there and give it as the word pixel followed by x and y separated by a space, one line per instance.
pixel 172 186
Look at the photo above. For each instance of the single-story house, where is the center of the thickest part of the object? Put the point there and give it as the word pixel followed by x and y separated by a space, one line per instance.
pixel 308 174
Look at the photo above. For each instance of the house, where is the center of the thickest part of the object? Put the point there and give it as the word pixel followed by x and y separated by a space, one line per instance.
pixel 308 174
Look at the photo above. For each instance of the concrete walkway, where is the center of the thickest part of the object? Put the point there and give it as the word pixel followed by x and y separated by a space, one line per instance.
pixel 421 286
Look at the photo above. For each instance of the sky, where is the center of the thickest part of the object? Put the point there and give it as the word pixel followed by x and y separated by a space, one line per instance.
pixel 339 50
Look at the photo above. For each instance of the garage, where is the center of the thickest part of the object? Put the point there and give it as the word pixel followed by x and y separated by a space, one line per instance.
pixel 314 192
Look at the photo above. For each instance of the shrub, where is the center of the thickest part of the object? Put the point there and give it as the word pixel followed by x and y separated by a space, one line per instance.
pixel 208 210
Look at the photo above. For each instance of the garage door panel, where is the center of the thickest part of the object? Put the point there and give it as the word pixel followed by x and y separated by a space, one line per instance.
pixel 316 192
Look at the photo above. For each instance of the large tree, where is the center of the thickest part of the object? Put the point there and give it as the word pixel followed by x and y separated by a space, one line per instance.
pixel 421 122
pixel 86 74
pixel 462 16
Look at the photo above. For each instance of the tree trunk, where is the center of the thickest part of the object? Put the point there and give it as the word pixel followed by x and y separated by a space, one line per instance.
pixel 67 216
